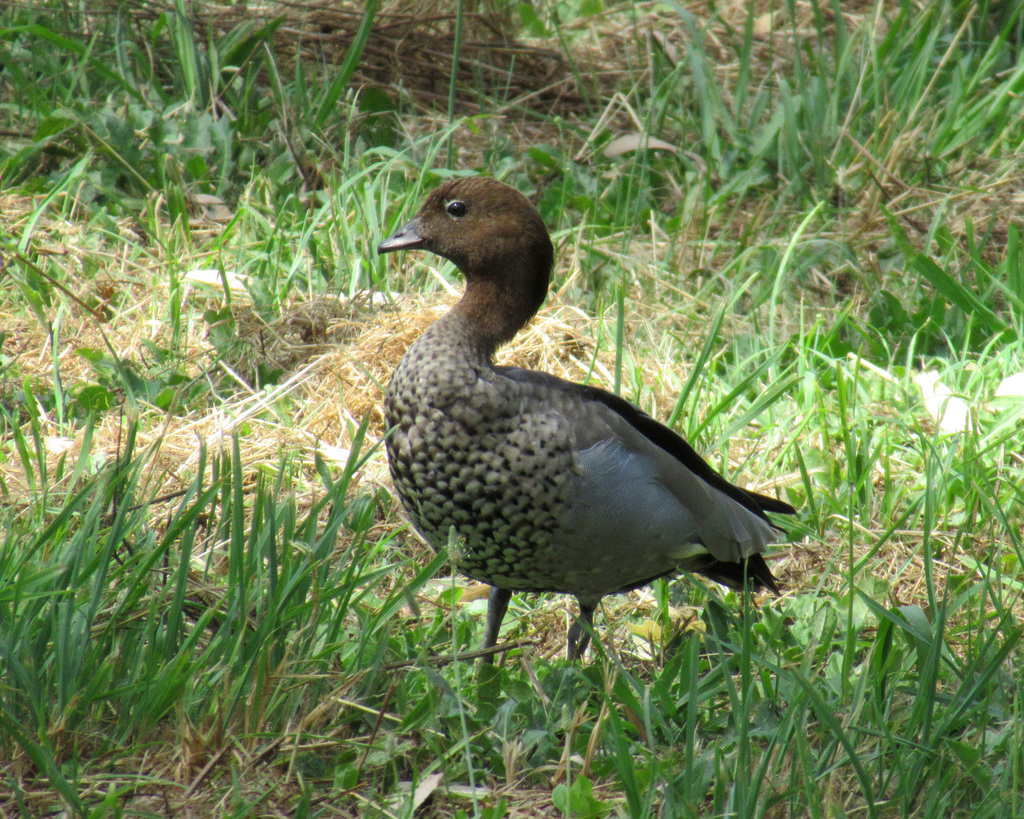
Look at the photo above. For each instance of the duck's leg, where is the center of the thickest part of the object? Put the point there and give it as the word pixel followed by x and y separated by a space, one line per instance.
pixel 579 636
pixel 497 605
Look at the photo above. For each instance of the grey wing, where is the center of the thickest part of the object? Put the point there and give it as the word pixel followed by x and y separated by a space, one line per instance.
pixel 629 490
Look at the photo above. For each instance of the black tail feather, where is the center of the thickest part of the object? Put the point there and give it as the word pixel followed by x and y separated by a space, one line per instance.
pixel 753 574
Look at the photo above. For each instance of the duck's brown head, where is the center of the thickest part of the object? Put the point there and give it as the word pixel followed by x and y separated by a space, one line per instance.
pixel 495 236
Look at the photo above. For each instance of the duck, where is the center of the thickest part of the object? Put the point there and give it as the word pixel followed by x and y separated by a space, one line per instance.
pixel 534 483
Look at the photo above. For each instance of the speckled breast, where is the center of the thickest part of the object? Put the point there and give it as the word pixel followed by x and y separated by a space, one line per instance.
pixel 479 468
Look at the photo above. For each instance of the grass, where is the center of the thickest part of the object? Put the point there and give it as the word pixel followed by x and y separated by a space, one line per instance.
pixel 210 603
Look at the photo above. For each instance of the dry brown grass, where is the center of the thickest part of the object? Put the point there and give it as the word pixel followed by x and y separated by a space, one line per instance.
pixel 408 51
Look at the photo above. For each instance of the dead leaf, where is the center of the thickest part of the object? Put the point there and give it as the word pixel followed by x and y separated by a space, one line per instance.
pixel 636 142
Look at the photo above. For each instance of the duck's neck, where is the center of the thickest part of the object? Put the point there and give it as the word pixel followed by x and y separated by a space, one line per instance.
pixel 497 304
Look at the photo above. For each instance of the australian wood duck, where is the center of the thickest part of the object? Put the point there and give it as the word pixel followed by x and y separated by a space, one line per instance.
pixel 536 483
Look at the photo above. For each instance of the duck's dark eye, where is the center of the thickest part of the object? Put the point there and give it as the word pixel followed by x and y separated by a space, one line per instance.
pixel 456 208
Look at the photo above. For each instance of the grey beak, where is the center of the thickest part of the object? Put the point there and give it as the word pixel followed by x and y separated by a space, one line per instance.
pixel 405 238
